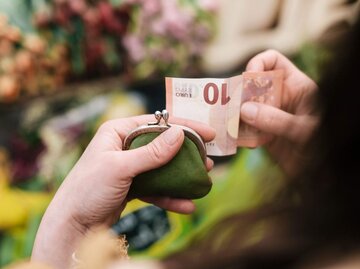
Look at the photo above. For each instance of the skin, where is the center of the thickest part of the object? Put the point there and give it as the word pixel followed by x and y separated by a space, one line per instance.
pixel 76 208
pixel 94 193
pixel 292 124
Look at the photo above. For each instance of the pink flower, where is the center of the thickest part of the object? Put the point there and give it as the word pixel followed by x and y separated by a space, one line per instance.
pixel 202 32
pixel 178 23
pixel 151 7
pixel 165 55
pixel 77 6
pixel 158 27
pixel 135 47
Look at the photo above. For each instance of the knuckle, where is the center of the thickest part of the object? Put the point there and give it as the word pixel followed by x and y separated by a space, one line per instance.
pixel 268 119
pixel 272 52
pixel 251 63
pixel 106 126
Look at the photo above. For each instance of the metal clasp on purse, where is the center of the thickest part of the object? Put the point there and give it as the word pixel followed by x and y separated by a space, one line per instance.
pixel 159 127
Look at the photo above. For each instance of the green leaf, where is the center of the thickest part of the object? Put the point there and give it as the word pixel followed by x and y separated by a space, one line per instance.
pixel 76 39
pixel 32 227
pixel 7 244
pixel 111 57
pixel 116 3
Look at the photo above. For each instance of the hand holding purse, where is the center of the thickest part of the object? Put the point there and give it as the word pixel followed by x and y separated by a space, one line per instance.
pixel 185 176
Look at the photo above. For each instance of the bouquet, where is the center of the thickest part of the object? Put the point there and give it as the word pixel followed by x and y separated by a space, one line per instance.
pixel 167 37
pixel 27 63
pixel 91 31
pixel 76 40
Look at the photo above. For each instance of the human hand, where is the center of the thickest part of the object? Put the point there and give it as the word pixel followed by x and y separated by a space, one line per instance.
pixel 94 193
pixel 292 124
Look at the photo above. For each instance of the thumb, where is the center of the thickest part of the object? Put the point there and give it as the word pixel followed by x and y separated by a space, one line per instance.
pixel 275 121
pixel 157 153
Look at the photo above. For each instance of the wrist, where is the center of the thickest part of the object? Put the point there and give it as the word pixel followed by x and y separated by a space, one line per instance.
pixel 57 238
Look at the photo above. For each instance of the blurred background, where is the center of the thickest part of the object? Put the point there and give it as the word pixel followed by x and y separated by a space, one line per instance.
pixel 66 66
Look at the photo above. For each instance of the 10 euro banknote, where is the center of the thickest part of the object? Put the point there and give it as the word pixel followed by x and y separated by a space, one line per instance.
pixel 217 102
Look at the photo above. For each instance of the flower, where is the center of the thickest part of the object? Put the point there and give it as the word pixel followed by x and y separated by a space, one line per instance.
pixel 166 36
pixel 135 47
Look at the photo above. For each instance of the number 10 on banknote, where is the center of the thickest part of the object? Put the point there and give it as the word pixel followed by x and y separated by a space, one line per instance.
pixel 217 102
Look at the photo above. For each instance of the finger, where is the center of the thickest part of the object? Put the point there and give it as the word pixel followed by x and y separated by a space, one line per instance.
pixel 124 126
pixel 270 60
pixel 274 121
pixel 205 131
pixel 111 133
pixel 209 164
pixel 155 154
pixel 135 264
pixel 182 206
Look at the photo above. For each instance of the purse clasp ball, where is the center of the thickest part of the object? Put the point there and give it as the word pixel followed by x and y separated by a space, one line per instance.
pixel 158 127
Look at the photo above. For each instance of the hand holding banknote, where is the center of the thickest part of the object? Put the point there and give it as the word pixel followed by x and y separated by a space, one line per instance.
pixel 292 123
pixel 217 101
pixel 275 100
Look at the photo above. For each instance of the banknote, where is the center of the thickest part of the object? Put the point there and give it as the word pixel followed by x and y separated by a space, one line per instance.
pixel 213 101
pixel 217 102
pixel 262 87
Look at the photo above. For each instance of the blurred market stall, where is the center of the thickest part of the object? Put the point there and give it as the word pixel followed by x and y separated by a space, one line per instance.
pixel 66 66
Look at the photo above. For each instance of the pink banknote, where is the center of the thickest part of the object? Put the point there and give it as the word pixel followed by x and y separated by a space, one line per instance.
pixel 217 102
pixel 262 87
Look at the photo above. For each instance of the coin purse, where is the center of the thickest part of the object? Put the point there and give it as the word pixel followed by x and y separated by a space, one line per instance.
pixel 185 176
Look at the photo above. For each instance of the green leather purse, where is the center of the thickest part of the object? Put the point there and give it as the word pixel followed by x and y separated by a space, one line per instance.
pixel 185 176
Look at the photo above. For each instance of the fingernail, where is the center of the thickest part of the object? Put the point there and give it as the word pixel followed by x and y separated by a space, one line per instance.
pixel 172 135
pixel 249 111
